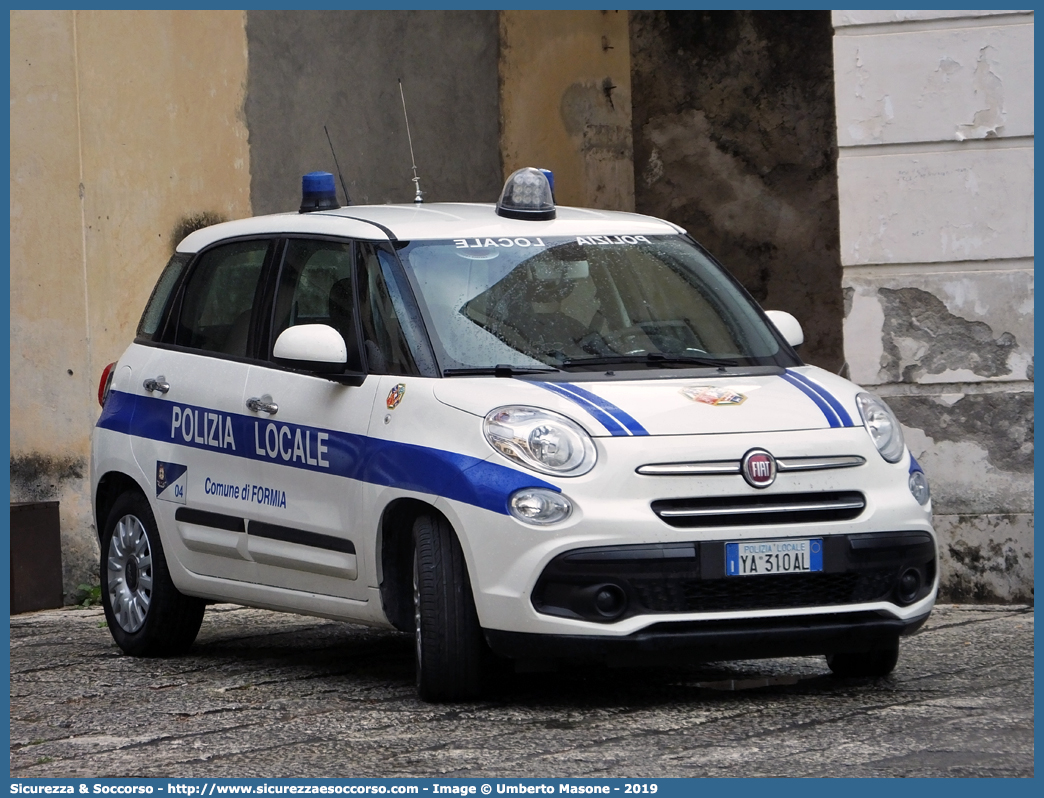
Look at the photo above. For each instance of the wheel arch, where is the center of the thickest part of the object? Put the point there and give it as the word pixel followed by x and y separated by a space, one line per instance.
pixel 395 557
pixel 111 486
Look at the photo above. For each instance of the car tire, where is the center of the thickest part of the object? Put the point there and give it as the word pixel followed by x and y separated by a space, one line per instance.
pixel 146 614
pixel 450 648
pixel 873 664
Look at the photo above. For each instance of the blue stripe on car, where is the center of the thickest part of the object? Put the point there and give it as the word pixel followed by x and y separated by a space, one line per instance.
pixel 842 414
pixel 611 424
pixel 827 411
pixel 380 462
pixel 618 414
pixel 613 418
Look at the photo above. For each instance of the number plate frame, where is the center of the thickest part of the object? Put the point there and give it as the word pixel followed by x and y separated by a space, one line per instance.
pixel 769 557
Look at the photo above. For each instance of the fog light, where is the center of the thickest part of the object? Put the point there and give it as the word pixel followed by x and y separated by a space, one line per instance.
pixel 909 585
pixel 919 487
pixel 610 600
pixel 539 506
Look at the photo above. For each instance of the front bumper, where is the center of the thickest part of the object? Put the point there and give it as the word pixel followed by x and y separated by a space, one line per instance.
pixel 612 583
pixel 615 505
pixel 711 641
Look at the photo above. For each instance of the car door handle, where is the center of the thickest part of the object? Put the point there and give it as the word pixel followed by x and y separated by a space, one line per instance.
pixel 262 404
pixel 158 384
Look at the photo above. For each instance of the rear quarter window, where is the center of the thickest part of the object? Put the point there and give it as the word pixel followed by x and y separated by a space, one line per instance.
pixel 156 308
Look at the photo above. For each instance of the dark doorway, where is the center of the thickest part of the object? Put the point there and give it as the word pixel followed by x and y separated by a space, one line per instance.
pixel 735 140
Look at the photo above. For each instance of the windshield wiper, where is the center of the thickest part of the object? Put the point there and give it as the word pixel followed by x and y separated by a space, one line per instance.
pixel 650 359
pixel 500 370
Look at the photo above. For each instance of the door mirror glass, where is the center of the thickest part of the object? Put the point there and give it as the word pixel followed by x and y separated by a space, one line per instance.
pixel 788 326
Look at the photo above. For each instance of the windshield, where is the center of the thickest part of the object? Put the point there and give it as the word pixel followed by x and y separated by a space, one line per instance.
pixel 625 301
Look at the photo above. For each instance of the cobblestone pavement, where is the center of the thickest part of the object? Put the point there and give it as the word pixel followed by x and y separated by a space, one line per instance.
pixel 269 695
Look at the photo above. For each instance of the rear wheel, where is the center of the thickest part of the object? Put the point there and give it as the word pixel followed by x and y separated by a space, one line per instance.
pixel 449 644
pixel 867 664
pixel 146 614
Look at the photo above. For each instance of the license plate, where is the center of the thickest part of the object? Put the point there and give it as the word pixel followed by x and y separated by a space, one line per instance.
pixel 760 557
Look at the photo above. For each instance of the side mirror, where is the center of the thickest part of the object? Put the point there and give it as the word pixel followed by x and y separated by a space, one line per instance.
pixel 318 348
pixel 788 326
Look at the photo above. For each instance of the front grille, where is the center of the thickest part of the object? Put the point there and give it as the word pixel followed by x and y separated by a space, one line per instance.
pixel 785 591
pixel 761 509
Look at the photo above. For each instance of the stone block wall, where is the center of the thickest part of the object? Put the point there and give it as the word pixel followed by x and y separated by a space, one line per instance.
pixel 935 187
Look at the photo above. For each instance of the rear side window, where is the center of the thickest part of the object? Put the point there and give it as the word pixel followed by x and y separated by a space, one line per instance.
pixel 218 301
pixel 157 305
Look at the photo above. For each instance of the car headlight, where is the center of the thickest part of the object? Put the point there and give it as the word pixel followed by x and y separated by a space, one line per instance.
pixel 884 428
pixel 540 440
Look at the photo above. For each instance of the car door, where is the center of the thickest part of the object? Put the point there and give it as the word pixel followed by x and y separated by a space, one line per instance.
pixel 189 431
pixel 308 508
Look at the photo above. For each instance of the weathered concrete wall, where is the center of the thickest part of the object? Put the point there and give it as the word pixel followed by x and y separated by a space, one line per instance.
pixel 935 176
pixel 122 125
pixel 340 69
pixel 735 141
pixel 565 102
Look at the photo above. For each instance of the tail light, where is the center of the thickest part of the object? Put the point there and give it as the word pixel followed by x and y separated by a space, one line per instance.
pixel 106 381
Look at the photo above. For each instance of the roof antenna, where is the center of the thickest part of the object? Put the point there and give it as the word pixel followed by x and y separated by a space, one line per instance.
pixel 416 180
pixel 344 188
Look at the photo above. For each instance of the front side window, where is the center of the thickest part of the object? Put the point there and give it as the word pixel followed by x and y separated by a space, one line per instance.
pixel 387 349
pixel 564 302
pixel 325 282
pixel 219 298
pixel 316 287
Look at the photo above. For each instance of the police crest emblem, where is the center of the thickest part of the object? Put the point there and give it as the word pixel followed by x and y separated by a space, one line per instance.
pixel 395 396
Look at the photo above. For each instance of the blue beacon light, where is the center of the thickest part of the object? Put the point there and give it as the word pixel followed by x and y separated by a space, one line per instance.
pixel 318 192
pixel 550 179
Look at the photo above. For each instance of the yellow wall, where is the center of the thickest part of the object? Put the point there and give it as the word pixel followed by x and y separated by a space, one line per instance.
pixel 123 123
pixel 555 69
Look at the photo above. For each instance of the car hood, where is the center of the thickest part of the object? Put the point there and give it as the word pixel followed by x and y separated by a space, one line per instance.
pixel 795 399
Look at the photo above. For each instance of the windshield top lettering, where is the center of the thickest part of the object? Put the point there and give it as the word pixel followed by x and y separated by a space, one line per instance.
pixel 605 240
pixel 486 243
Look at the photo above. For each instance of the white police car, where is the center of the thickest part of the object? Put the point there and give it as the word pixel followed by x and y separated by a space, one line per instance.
pixel 547 433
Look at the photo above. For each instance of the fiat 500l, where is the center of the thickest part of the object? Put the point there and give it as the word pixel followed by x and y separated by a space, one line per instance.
pixel 521 430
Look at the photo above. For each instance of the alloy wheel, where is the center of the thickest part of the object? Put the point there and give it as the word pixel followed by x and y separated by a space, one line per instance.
pixel 129 568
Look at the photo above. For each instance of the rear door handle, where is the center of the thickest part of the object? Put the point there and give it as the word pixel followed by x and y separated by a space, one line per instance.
pixel 262 404
pixel 158 384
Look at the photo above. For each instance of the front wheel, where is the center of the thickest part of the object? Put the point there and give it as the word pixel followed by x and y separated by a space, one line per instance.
pixel 874 664
pixel 146 614
pixel 449 644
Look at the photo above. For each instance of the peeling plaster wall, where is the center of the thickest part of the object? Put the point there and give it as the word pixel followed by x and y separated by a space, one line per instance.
pixel 955 88
pixel 133 121
pixel 734 136
pixel 565 103
pixel 935 186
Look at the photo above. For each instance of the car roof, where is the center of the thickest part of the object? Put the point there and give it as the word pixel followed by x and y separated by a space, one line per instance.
pixel 447 220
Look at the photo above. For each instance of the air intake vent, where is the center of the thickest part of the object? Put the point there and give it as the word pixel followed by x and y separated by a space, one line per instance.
pixel 764 592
